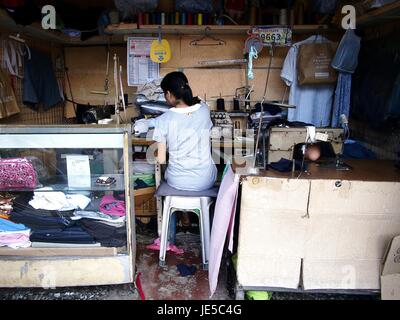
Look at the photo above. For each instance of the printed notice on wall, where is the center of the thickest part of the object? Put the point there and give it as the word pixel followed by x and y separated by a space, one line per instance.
pixel 78 171
pixel 140 67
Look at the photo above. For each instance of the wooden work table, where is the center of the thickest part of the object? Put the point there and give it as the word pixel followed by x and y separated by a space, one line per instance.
pixel 362 170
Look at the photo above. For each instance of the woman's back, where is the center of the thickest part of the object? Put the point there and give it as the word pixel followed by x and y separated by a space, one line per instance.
pixel 186 131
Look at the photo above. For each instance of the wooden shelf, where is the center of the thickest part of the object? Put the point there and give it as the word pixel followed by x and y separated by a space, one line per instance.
pixel 127 29
pixel 383 14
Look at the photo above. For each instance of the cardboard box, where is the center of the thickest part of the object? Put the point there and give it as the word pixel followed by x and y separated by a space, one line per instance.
pixel 390 278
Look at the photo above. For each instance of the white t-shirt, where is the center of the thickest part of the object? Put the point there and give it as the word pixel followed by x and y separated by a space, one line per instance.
pixel 186 131
pixel 313 102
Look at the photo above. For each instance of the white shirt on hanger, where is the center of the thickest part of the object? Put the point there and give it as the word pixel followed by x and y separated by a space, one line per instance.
pixel 313 102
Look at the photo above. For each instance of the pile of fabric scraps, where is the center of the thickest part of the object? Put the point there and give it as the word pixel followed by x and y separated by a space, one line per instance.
pixel 6 205
pixel 14 235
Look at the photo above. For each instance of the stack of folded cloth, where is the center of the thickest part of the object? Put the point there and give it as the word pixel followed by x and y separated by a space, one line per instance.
pixel 13 235
pixel 49 225
pixel 104 219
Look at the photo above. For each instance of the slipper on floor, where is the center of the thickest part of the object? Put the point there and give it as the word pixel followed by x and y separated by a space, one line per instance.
pixel 170 247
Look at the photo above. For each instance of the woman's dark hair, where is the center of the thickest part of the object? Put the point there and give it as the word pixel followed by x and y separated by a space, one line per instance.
pixel 177 83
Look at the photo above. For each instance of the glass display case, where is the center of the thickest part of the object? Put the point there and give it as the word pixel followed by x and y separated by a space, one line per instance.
pixel 66 206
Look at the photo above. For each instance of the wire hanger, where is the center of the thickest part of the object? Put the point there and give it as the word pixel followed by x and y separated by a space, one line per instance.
pixel 17 38
pixel 207 35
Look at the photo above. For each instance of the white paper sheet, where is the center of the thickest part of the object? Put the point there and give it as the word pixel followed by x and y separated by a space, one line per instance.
pixel 78 171
pixel 140 67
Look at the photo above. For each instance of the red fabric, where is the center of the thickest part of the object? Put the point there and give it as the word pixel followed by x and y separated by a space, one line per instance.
pixel 12 3
pixel 237 5
pixel 139 286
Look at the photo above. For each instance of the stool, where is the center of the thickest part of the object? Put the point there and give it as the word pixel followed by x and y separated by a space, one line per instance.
pixel 192 201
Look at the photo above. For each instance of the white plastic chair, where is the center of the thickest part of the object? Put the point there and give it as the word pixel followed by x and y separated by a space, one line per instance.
pixel 200 206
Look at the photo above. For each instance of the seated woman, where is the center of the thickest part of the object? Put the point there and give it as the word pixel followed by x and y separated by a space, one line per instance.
pixel 184 131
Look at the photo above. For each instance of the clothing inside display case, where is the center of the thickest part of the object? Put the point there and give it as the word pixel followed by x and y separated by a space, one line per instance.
pixel 65 193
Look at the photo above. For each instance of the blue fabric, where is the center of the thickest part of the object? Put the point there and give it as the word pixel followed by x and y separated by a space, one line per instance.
pixel 285 165
pixel 342 98
pixel 6 225
pixel 186 270
pixel 354 149
pixel 40 84
pixel 166 190
pixel 346 56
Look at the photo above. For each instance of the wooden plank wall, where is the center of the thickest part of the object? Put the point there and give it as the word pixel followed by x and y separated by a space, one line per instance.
pixel 87 68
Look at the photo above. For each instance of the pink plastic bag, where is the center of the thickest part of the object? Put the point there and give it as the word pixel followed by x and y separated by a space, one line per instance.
pixel 17 173
pixel 110 205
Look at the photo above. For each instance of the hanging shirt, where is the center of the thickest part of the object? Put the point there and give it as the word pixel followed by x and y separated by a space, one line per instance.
pixel 186 131
pixel 313 102
pixel 40 83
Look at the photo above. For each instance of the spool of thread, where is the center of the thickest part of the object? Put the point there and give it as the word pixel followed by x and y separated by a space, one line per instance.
pixel 169 17
pixel 253 15
pixel 200 19
pixel 189 19
pixel 114 17
pixel 163 18
pixel 183 18
pixel 283 17
pixel 236 105
pixel 195 18
pixel 205 18
pixel 220 104
pixel 140 18
pixel 146 18
pixel 291 15
pixel 177 17
pixel 157 18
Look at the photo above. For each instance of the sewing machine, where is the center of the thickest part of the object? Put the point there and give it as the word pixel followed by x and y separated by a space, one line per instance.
pixel 283 140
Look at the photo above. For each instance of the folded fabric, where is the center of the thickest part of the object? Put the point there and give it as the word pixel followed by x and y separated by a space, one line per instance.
pixel 14 235
pixel 354 149
pixel 110 205
pixel 108 236
pixel 68 235
pixel 94 204
pixel 186 270
pixel 170 247
pixel 15 240
pixel 6 225
pixel 97 215
pixel 45 198
pixel 36 222
pixel 285 165
pixel 140 184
